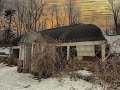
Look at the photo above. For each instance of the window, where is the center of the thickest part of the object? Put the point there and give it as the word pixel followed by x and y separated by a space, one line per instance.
pixel 15 53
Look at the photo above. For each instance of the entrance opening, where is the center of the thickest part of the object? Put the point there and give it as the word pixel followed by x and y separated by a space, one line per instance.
pixel 15 53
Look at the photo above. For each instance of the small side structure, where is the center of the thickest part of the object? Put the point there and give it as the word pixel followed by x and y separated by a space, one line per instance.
pixel 10 51
pixel 82 37
pixel 4 51
pixel 27 50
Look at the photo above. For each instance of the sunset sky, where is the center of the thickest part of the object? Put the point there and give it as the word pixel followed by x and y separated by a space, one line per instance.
pixel 88 8
pixel 92 6
pixel 91 11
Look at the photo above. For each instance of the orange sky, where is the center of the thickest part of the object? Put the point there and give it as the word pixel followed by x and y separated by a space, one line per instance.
pixel 92 11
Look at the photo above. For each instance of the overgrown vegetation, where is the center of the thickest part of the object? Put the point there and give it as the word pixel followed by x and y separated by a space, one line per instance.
pixel 46 63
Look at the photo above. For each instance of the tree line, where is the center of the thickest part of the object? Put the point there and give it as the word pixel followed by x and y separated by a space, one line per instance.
pixel 37 15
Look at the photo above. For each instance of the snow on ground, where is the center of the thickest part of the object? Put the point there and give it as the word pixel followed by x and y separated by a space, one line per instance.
pixel 5 50
pixel 114 42
pixel 11 80
pixel 84 73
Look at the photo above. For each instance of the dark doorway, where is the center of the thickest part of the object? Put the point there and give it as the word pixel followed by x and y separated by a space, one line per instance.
pixel 15 53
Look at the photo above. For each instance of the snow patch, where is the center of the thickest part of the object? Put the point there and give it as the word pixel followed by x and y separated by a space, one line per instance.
pixel 114 42
pixel 84 73
pixel 2 66
pixel 10 79
pixel 5 50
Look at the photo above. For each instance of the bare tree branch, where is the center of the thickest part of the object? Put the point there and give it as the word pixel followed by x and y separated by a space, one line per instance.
pixel 115 8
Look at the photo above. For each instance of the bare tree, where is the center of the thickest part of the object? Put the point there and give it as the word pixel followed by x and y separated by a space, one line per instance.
pixel 61 15
pixel 1 6
pixel 63 19
pixel 8 32
pixel 20 15
pixel 51 16
pixel 1 12
pixel 42 23
pixel 30 12
pixel 58 16
pixel 115 8
pixel 73 12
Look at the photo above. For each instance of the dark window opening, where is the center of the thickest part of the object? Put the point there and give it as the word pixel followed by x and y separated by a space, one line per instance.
pixel 62 52
pixel 15 53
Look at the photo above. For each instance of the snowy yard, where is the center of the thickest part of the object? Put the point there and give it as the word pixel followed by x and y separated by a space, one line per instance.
pixel 5 50
pixel 10 79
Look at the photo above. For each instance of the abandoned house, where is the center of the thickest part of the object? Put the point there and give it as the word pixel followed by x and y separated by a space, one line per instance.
pixel 83 39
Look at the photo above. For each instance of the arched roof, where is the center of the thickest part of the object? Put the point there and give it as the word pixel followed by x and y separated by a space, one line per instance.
pixel 75 33
pixel 65 34
pixel 30 37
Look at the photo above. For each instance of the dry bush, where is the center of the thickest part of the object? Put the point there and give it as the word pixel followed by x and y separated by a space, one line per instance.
pixel 47 62
pixel 107 74
pixel 10 61
pixel 43 62
pixel 2 59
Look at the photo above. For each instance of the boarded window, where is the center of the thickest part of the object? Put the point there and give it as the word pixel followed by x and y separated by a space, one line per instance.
pixel 85 50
